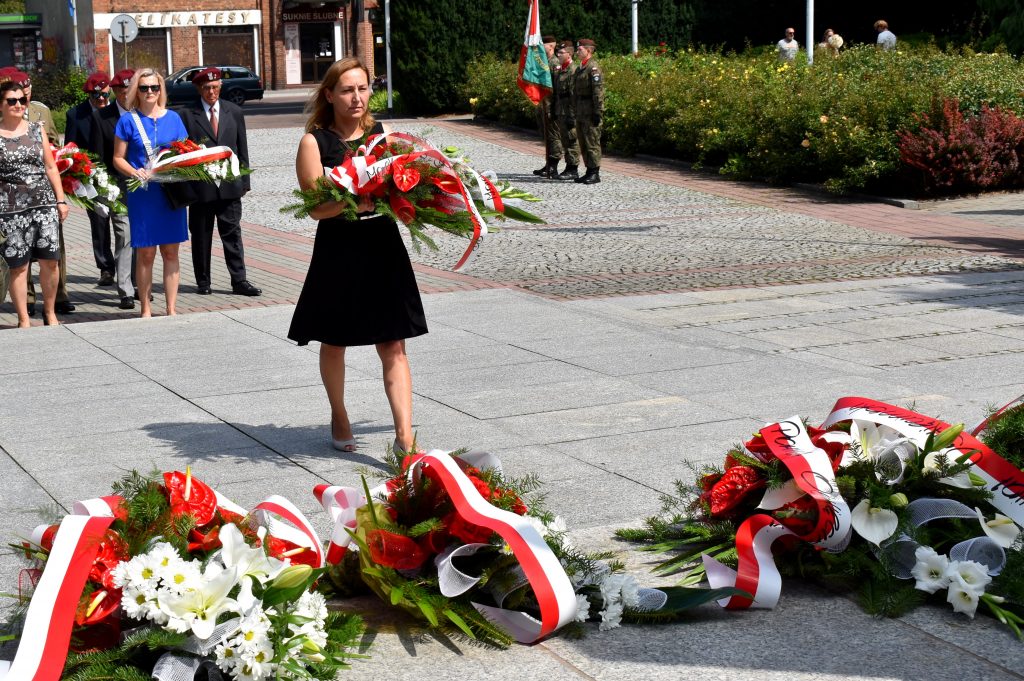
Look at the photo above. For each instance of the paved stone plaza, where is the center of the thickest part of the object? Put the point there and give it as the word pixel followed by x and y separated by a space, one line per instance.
pixel 657 318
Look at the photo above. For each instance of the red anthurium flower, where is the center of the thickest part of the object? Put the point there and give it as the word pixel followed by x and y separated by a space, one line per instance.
pixel 734 486
pixel 447 182
pixel 800 516
pixel 98 622
pixel 204 541
pixel 434 542
pixel 97 607
pixel 403 208
pixel 188 495
pixel 112 550
pixel 405 177
pixel 394 550
pixel 286 550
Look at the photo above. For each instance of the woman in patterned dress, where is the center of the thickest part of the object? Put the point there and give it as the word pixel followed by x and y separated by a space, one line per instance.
pixel 32 204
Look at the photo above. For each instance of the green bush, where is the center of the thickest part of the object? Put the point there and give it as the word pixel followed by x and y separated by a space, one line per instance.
pixel 837 121
pixel 379 102
pixel 59 86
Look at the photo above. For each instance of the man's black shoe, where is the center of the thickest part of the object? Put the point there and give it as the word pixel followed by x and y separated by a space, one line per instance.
pixel 127 303
pixel 542 172
pixel 591 177
pixel 204 290
pixel 244 288
pixel 106 279
pixel 570 173
pixel 64 307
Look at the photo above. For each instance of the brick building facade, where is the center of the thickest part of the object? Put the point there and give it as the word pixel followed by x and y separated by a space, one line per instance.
pixel 288 43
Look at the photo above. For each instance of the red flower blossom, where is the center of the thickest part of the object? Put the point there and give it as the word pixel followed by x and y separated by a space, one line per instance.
pixel 759 448
pixel 466 531
pixel 201 502
pixel 394 550
pixel 403 208
pixel 406 177
pixel 204 541
pixel 100 629
pixel 286 550
pixel 800 516
pixel 112 550
pixel 447 182
pixel 434 542
pixel 733 488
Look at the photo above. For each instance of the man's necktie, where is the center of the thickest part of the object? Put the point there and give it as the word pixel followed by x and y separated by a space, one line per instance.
pixel 213 120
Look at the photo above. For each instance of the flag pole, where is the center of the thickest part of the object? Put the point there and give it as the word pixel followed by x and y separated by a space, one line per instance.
pixel 73 6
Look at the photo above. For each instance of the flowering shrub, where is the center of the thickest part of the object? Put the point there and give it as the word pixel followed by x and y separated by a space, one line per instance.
pixel 959 153
pixel 837 121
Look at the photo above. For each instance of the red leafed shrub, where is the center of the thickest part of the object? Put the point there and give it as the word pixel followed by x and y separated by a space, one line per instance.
pixel 958 153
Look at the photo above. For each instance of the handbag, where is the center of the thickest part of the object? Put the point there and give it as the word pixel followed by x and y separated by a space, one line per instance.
pixel 179 194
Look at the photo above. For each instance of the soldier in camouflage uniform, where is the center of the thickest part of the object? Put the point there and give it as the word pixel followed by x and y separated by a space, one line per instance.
pixel 561 105
pixel 588 98
pixel 545 120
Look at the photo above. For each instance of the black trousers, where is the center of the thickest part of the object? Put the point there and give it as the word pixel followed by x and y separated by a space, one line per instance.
pixel 228 214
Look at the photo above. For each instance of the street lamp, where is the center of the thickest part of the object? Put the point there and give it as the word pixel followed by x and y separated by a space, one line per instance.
pixel 636 27
pixel 810 31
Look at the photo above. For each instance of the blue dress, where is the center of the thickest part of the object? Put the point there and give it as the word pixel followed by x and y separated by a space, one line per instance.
pixel 153 221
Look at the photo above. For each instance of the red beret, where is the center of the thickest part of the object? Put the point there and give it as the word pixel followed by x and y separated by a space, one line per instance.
pixel 97 82
pixel 207 75
pixel 122 77
pixel 585 42
pixel 21 78
pixel 7 71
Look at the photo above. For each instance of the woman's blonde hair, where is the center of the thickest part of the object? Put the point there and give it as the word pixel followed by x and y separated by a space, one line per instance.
pixel 321 111
pixel 133 87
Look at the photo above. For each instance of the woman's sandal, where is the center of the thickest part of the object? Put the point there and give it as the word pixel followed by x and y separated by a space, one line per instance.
pixel 397 449
pixel 348 446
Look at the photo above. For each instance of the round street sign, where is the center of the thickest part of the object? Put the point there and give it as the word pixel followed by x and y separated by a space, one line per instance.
pixel 123 28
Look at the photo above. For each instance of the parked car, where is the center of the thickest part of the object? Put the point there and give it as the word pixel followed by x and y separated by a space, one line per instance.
pixel 239 85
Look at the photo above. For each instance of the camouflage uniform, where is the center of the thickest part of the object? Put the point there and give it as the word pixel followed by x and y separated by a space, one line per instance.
pixel 588 104
pixel 551 137
pixel 565 117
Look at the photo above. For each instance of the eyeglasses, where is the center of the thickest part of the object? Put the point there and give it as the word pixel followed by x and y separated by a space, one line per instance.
pixel 11 101
pixel 99 95
pixel 149 88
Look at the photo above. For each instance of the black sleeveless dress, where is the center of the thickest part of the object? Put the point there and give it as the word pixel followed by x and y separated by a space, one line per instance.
pixel 360 288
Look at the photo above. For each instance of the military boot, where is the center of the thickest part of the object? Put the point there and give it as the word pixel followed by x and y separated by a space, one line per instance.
pixel 593 176
pixel 570 173
pixel 586 176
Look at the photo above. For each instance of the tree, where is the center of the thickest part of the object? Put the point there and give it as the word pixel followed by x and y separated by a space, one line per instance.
pixel 1006 20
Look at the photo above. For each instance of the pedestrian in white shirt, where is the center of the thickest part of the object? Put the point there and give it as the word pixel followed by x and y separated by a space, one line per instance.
pixel 788 46
pixel 886 38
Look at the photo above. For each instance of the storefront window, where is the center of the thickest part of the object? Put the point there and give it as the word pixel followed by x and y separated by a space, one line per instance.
pixel 148 50
pixel 316 43
pixel 229 45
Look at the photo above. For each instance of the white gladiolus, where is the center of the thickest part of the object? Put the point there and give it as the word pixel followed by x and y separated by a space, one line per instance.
pixel 963 600
pixel 969 575
pixel 931 570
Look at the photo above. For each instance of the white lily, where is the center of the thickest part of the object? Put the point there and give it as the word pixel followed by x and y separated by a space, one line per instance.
pixel 961 480
pixel 199 608
pixel 884 445
pixel 963 600
pixel 931 570
pixel 1001 529
pixel 253 564
pixel 873 523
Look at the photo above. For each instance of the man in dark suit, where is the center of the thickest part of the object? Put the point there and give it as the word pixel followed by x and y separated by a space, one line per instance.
pixel 102 143
pixel 214 122
pixel 79 130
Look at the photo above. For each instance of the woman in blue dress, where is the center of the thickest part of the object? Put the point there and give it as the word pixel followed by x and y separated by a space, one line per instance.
pixel 139 135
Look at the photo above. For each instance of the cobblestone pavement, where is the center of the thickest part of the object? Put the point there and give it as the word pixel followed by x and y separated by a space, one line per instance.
pixel 649 227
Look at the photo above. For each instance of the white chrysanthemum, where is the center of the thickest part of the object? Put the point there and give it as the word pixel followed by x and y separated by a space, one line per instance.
pixel 582 608
pixel 969 575
pixel 963 600
pixel 252 631
pixel 314 603
pixel 931 570
pixel 181 576
pixel 140 573
pixel 259 664
pixel 226 657
pixel 138 603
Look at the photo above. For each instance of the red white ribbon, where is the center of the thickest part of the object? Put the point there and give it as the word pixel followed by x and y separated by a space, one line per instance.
pixel 361 174
pixel 555 594
pixel 51 614
pixel 812 473
pixel 50 618
pixel 1002 479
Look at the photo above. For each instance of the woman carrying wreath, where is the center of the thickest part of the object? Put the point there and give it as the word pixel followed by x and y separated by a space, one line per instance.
pixel 360 288
pixel 139 135
pixel 32 203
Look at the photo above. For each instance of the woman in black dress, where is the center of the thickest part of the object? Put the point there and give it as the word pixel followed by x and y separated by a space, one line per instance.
pixel 360 288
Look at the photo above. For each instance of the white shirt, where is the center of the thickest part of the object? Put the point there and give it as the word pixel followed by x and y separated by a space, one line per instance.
pixel 788 49
pixel 887 39
pixel 120 109
pixel 215 107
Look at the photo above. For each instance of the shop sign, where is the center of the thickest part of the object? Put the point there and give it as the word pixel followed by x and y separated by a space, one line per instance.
pixel 228 17
pixel 315 15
